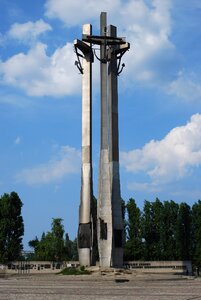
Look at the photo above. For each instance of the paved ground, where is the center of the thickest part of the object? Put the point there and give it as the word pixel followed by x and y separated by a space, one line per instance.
pixel 104 287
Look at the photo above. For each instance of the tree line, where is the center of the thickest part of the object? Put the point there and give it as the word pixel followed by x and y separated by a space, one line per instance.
pixel 162 230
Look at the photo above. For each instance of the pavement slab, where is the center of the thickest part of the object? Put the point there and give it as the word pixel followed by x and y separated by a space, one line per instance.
pixel 98 286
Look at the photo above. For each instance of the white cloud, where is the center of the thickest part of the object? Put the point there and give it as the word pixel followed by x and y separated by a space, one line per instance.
pixel 17 140
pixel 14 100
pixel 67 161
pixel 152 57
pixel 186 87
pixel 41 75
pixel 28 31
pixel 2 38
pixel 74 13
pixel 138 186
pixel 172 158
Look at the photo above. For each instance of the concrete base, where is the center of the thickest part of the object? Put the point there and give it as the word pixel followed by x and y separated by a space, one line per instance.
pixel 84 257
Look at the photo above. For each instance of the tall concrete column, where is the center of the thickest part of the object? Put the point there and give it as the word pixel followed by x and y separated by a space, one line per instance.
pixel 109 223
pixel 85 230
pixel 104 198
pixel 117 241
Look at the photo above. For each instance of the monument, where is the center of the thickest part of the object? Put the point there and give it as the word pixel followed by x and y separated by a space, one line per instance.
pixel 109 222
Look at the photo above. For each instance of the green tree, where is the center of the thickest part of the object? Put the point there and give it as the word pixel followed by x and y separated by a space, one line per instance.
pixel 74 250
pixel 45 250
pixel 134 245
pixel 169 228
pixel 148 230
pixel 11 227
pixel 152 230
pixel 196 230
pixel 68 246
pixel 34 243
pixel 158 225
pixel 52 245
pixel 38 247
pixel 123 209
pixel 183 232
pixel 57 239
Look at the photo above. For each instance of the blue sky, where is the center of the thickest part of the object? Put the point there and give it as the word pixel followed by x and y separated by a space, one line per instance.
pixel 40 100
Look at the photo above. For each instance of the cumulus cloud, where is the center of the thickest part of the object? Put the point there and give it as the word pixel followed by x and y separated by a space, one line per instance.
pixel 41 75
pixel 67 161
pixel 152 57
pixel 171 158
pixel 152 60
pixel 28 31
pixel 74 13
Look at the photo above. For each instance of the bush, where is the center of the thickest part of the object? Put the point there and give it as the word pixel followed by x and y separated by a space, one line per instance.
pixel 75 271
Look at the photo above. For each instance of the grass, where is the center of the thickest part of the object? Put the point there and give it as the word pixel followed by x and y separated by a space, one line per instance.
pixel 75 271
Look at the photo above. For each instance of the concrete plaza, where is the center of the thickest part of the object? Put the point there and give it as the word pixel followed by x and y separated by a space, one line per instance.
pixel 100 286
